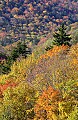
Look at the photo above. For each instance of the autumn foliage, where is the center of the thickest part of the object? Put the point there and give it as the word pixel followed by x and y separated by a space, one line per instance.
pixel 24 19
pixel 44 86
pixel 54 51
pixel 47 105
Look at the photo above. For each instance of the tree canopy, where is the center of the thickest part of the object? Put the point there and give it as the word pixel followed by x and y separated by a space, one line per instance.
pixel 61 37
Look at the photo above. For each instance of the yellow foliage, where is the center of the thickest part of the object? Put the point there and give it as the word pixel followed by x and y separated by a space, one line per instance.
pixel 57 67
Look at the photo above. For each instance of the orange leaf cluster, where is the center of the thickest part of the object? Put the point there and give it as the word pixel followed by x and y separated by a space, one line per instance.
pixel 47 104
pixel 5 86
pixel 54 51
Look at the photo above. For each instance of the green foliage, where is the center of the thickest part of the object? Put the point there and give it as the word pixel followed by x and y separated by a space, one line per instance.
pixel 75 36
pixel 48 48
pixel 18 103
pixel 74 114
pixel 21 49
pixel 3 55
pixel 4 69
pixel 61 37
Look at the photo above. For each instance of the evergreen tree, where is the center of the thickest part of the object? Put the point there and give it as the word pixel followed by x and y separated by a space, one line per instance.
pixel 61 37
pixel 21 49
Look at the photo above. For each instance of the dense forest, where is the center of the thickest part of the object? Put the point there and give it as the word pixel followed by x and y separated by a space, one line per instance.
pixel 31 19
pixel 38 60
pixel 42 86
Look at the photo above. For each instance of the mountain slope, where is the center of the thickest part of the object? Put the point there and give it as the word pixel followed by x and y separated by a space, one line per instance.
pixel 27 19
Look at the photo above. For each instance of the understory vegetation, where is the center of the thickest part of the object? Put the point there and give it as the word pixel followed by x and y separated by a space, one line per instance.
pixel 44 86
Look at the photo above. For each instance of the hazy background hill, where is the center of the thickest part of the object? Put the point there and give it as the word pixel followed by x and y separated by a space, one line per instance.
pixel 31 19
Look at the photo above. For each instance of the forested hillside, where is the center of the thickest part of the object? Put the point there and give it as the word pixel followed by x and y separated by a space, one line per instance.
pixel 30 19
pixel 42 86
pixel 38 60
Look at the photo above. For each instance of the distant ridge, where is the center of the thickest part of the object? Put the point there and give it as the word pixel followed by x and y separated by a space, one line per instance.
pixel 28 19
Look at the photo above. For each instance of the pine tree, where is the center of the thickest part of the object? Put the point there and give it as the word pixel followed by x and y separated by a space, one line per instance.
pixel 61 37
pixel 21 49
